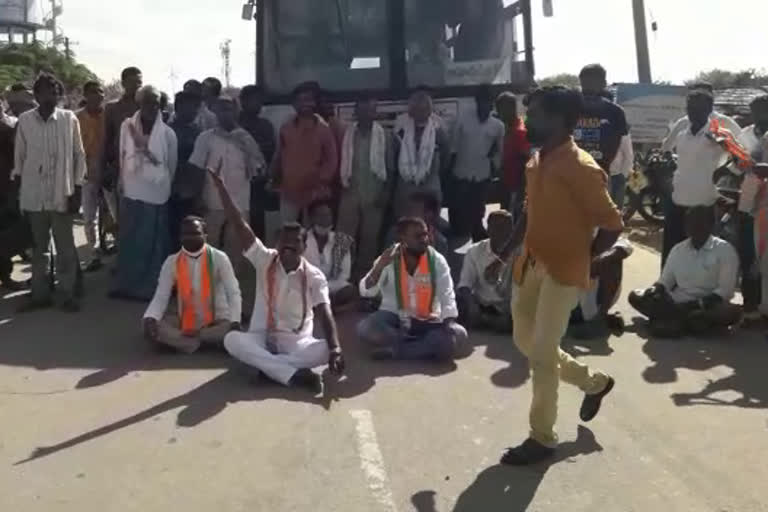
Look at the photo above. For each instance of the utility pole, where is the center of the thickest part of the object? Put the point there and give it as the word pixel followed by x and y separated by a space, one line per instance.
pixel 641 43
pixel 225 57
pixel 67 52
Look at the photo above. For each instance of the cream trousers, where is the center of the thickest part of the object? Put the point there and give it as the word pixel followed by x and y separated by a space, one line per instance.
pixel 541 308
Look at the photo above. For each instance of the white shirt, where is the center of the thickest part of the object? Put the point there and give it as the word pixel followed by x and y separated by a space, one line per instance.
pixel 624 161
pixel 227 299
pixel 478 258
pixel 288 303
pixel 691 275
pixel 149 183
pixel 324 261
pixel 753 143
pixel 50 159
pixel 221 154
pixel 684 124
pixel 443 307
pixel 472 143
pixel 698 159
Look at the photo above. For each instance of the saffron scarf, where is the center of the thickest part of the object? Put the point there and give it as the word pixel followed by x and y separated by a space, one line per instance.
pixel 187 301
pixel 425 280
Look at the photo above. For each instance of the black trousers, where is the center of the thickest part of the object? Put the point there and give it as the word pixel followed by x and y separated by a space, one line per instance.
pixel 674 228
pixel 466 208
pixel 750 283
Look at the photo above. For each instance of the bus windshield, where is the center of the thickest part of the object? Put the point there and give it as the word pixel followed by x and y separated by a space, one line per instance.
pixel 458 42
pixel 343 44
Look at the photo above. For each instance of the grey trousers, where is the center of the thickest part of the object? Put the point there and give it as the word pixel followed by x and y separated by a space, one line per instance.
pixel 42 224
pixel 362 222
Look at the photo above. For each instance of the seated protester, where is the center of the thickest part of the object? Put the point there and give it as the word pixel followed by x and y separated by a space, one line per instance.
pixel 591 319
pixel 207 293
pixel 425 206
pixel 696 286
pixel 484 302
pixel 290 292
pixel 331 252
pixel 418 314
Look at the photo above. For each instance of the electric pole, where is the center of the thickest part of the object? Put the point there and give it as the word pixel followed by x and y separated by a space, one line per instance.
pixel 641 43
pixel 225 57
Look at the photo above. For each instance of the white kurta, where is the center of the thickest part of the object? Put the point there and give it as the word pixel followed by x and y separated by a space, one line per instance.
pixel 295 350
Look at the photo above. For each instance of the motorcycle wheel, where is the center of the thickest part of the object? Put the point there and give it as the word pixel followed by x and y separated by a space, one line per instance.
pixel 650 206
pixel 630 205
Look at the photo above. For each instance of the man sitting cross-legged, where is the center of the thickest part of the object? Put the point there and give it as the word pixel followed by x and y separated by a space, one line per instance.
pixel 289 293
pixel 331 252
pixel 483 296
pixel 698 281
pixel 418 314
pixel 207 291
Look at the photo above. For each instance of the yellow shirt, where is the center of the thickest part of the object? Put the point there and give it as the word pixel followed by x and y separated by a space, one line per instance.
pixel 567 199
pixel 92 129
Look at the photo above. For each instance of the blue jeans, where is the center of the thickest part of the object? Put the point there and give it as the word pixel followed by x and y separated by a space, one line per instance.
pixel 618 189
pixel 425 340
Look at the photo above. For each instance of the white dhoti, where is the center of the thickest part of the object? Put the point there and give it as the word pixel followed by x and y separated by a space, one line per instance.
pixel 295 352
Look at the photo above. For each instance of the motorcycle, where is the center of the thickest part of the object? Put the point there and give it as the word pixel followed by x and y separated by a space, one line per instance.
pixel 649 185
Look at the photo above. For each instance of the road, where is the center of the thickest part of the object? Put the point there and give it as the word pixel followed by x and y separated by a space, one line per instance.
pixel 93 420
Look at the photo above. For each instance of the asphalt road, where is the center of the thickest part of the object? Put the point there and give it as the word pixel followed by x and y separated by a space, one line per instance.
pixel 91 419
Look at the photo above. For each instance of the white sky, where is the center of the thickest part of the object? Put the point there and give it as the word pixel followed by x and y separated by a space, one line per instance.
pixel 182 37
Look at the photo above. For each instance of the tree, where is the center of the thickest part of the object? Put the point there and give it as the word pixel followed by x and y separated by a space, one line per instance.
pixel 723 79
pixel 22 63
pixel 564 79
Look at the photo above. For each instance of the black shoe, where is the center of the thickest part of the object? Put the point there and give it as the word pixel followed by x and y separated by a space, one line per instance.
pixel 12 286
pixel 307 379
pixel 530 452
pixel 591 404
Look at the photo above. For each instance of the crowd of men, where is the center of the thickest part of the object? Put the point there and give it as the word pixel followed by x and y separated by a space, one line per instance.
pixel 361 227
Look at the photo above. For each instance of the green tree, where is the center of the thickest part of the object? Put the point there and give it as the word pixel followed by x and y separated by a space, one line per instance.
pixel 22 62
pixel 724 79
pixel 564 79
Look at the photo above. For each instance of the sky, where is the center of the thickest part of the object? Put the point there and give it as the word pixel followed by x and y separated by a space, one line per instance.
pixel 173 40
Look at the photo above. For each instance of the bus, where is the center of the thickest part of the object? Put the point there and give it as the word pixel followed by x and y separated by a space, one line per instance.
pixel 389 47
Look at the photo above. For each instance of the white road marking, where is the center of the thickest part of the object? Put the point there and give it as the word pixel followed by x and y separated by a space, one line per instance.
pixel 371 460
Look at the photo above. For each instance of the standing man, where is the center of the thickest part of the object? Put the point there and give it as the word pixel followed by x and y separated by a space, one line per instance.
pixel 262 131
pixel 602 126
pixel 233 154
pixel 12 226
pixel 20 99
pixel 51 163
pixel 92 125
pixel 367 160
pixel 114 114
pixel 148 156
pixel 211 91
pixel 516 152
pixel 424 151
pixel 477 144
pixel 699 156
pixel 567 201
pixel 307 158
pixel 290 293
pixel 187 190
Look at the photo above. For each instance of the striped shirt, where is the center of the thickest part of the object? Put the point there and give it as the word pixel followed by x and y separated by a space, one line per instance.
pixel 50 159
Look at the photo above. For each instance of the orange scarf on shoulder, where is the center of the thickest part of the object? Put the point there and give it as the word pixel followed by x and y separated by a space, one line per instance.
pixel 425 281
pixel 187 302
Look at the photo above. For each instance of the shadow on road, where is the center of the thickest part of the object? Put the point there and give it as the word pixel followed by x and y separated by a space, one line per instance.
pixel 510 489
pixel 743 352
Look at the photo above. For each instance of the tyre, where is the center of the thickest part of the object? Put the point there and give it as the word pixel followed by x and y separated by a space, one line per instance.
pixel 630 205
pixel 650 206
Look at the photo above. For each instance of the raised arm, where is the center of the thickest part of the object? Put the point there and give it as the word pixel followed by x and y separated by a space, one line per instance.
pixel 234 217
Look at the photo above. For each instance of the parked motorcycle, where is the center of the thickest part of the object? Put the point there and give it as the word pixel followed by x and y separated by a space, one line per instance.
pixel 649 184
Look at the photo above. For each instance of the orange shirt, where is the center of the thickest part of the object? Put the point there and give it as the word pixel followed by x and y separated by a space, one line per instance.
pixel 567 200
pixel 308 159
pixel 92 130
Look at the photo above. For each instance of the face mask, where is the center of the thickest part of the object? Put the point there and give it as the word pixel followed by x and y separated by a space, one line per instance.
pixel 321 230
pixel 193 254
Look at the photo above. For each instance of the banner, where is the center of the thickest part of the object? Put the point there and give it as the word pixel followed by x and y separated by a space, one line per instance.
pixel 651 109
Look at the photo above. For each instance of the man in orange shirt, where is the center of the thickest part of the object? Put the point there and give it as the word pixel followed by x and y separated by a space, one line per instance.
pixel 567 201
pixel 306 164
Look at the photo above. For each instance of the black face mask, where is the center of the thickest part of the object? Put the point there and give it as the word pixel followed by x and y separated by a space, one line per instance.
pixel 192 245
